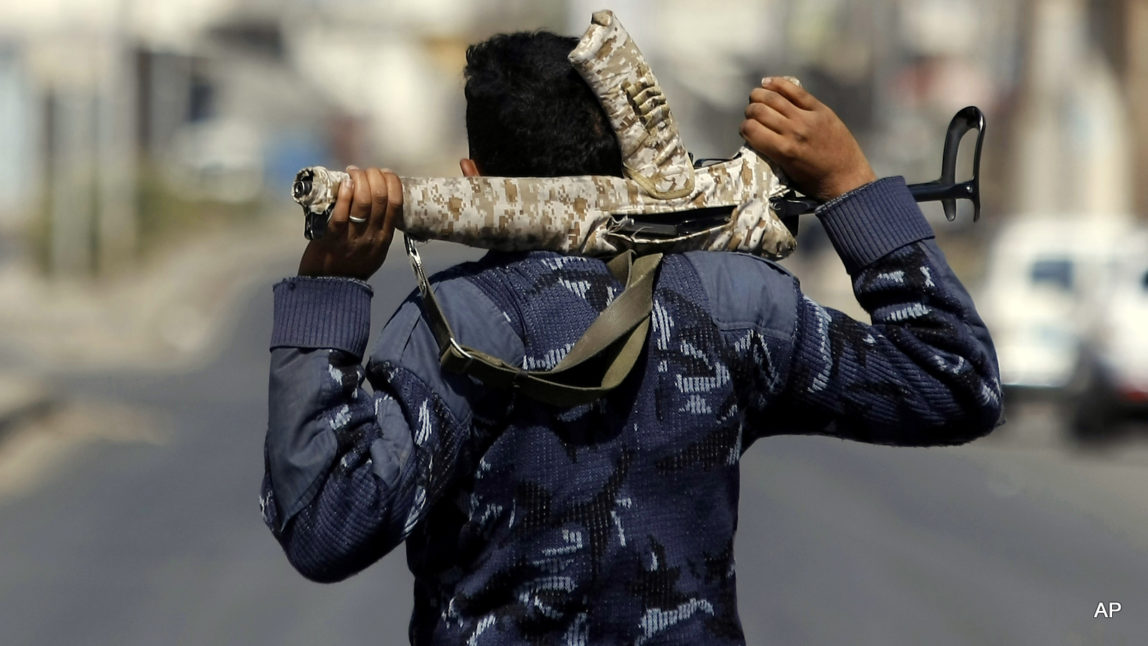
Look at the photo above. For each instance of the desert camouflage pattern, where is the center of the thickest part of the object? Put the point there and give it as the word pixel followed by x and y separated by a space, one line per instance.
pixel 595 215
pixel 652 151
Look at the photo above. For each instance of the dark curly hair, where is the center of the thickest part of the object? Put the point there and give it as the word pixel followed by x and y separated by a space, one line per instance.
pixel 529 113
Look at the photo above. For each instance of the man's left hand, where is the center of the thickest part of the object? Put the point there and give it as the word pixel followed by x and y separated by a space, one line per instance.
pixel 810 143
pixel 360 229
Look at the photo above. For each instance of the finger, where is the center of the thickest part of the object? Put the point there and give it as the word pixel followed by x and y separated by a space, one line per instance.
pixel 361 203
pixel 774 100
pixel 761 138
pixel 394 203
pixel 338 220
pixel 379 196
pixel 792 91
pixel 767 116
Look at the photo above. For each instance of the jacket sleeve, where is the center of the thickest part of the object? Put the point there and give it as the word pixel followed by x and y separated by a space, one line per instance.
pixel 356 455
pixel 924 372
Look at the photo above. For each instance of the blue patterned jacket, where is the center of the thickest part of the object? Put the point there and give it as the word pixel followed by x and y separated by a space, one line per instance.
pixel 610 522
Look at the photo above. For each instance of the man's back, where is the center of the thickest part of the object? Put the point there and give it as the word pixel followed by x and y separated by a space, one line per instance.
pixel 619 514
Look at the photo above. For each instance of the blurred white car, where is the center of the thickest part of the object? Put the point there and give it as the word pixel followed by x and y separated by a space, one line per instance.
pixel 1114 381
pixel 1046 276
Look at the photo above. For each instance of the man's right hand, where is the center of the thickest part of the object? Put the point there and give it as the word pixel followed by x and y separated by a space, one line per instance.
pixel 806 139
pixel 360 229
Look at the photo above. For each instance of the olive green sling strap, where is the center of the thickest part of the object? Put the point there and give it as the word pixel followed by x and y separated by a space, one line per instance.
pixel 597 363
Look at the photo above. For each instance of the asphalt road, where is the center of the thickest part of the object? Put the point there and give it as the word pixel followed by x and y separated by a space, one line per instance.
pixel 131 517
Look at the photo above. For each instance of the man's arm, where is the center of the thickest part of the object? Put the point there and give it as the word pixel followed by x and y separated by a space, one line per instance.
pixel 924 372
pixel 335 453
pixel 323 425
pixel 351 470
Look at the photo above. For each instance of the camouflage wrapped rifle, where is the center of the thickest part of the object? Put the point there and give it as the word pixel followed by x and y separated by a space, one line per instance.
pixel 662 204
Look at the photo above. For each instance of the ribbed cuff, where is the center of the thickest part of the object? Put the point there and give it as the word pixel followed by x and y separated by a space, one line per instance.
pixel 872 221
pixel 322 313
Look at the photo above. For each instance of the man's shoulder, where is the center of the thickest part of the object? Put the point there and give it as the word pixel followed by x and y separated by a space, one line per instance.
pixel 745 290
pixel 727 261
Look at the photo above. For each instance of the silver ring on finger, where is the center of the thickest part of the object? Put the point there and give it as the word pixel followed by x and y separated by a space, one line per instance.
pixel 355 219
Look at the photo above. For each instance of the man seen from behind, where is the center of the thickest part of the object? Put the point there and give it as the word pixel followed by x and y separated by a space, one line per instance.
pixel 610 522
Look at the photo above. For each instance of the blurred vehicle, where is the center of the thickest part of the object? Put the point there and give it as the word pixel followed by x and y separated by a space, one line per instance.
pixel 1113 382
pixel 1046 276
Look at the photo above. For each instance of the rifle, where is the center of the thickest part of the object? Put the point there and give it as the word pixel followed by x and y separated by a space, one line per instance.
pixel 664 203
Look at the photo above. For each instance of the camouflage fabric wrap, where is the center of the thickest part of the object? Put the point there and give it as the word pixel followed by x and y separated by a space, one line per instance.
pixel 652 151
pixel 596 215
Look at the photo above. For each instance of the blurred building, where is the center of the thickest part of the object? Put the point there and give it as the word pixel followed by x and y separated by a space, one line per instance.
pixel 217 100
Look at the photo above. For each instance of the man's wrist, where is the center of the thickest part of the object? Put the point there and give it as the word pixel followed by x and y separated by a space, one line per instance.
pixel 873 220
pixel 323 312
pixel 844 185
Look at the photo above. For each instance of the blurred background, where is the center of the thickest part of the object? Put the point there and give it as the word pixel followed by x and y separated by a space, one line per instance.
pixel 146 151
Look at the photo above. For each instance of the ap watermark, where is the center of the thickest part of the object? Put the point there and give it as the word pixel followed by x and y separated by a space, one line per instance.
pixel 1107 609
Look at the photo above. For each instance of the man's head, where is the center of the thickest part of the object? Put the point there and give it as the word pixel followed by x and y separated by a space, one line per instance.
pixel 529 113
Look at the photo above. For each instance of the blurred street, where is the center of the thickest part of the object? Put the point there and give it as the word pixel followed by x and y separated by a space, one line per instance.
pixel 131 517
